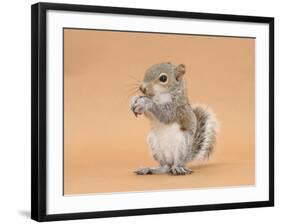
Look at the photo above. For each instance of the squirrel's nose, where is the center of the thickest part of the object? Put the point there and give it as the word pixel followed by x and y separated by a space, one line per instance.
pixel 142 89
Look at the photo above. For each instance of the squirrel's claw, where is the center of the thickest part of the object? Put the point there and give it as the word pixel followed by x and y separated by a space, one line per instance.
pixel 136 114
pixel 133 108
pixel 138 105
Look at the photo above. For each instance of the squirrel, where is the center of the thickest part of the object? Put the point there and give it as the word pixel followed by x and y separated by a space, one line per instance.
pixel 180 132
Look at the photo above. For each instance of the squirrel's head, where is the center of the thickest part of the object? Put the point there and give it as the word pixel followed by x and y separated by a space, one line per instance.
pixel 162 79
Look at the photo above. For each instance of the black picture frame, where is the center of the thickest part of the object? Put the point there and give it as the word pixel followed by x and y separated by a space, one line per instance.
pixel 38 110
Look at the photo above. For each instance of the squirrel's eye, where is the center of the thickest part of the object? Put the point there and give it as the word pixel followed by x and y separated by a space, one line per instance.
pixel 163 78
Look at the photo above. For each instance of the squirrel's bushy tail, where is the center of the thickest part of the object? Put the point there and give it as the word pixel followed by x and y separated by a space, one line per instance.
pixel 205 136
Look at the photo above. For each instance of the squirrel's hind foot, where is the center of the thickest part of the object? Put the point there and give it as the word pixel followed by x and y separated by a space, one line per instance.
pixel 175 170
pixel 179 170
pixel 143 171
pixel 157 170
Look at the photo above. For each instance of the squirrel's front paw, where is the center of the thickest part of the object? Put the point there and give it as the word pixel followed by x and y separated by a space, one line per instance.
pixel 140 104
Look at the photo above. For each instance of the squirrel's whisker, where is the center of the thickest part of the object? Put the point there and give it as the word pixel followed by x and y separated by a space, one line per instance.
pixel 134 78
pixel 133 92
pixel 132 86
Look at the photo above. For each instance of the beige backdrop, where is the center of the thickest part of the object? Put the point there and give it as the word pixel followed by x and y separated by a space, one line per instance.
pixel 104 142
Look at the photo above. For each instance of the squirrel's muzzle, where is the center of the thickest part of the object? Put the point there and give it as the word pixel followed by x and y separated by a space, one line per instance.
pixel 142 89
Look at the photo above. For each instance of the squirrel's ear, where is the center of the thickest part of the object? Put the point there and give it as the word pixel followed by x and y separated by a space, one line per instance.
pixel 180 70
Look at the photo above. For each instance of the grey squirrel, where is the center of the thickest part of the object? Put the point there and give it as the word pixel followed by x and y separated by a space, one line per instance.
pixel 179 133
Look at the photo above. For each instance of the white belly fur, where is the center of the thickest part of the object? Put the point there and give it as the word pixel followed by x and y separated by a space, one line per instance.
pixel 167 142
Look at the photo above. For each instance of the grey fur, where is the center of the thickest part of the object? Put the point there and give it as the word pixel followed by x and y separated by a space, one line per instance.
pixel 191 129
pixel 205 136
